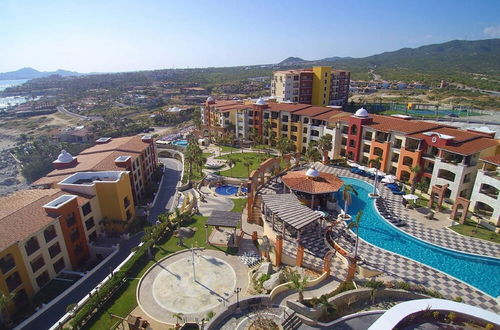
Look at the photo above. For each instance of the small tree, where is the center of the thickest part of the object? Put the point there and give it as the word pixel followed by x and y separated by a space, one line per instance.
pixel 326 306
pixel 178 318
pixel 4 302
pixel 375 162
pixel 247 162
pixel 416 171
pixel 347 193
pixel 298 283
pixel 353 261
pixel 325 145
pixel 312 154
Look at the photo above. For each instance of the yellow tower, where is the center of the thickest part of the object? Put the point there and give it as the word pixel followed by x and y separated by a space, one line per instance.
pixel 321 85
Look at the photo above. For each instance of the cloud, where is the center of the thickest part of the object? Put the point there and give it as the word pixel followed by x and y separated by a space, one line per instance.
pixel 492 31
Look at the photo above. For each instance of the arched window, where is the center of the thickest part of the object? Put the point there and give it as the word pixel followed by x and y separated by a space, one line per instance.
pixel 354 129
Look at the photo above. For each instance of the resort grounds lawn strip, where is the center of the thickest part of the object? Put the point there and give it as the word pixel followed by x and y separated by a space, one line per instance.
pixel 469 229
pixel 239 170
pixel 239 204
pixel 228 149
pixel 123 301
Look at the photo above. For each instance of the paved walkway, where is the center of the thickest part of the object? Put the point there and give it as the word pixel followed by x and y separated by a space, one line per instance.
pixel 325 286
pixel 212 203
pixel 167 190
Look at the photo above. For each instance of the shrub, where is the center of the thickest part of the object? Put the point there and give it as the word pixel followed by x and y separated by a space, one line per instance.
pixel 458 299
pixel 402 285
pixel 489 326
pixel 343 287
pixel 451 316
pixel 374 284
pixel 435 315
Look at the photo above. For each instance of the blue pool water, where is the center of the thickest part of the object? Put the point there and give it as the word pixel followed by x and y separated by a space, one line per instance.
pixel 181 143
pixel 480 272
pixel 229 190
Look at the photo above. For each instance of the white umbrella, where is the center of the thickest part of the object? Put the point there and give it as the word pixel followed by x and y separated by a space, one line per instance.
pixel 393 177
pixel 352 164
pixel 372 170
pixel 363 168
pixel 410 197
pixel 388 180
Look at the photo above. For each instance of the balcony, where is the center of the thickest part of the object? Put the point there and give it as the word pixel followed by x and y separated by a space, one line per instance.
pixel 447 175
pixel 31 246
pixel 492 174
pixel 428 170
pixel 7 263
pixel 489 191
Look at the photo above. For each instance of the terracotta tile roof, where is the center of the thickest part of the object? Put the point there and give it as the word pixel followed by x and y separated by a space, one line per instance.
pixel 492 159
pixel 129 143
pixel 325 183
pixel 312 111
pixel 49 180
pixel 21 198
pixel 223 103
pixel 407 126
pixel 472 146
pixel 26 220
pixel 288 107
pixel 234 107
pixel 330 115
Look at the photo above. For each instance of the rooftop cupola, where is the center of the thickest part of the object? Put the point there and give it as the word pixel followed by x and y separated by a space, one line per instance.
pixel 64 160
pixel 361 113
pixel 260 101
pixel 210 100
pixel 312 173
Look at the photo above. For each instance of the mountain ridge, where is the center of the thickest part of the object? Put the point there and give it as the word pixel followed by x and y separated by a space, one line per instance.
pixel 30 73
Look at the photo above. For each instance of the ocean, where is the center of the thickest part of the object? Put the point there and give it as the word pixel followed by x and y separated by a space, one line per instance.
pixel 11 100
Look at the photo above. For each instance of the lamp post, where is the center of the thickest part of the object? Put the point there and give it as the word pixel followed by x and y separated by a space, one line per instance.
pixel 237 291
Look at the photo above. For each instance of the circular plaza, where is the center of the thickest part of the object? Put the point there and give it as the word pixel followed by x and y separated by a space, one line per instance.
pixel 191 283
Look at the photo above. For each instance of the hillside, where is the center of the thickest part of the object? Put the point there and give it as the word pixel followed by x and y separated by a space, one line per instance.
pixel 474 63
pixel 30 73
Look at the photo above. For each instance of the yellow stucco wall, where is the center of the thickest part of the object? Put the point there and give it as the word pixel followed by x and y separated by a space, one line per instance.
pixel 19 268
pixel 319 93
pixel 111 197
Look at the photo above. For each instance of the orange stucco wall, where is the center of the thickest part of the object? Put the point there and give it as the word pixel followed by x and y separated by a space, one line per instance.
pixel 416 158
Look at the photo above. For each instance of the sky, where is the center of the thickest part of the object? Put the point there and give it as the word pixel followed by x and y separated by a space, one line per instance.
pixel 123 35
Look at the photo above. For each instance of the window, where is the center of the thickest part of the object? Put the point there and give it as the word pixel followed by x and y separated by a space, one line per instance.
pixel 304 130
pixel 13 281
pixel 408 161
pixel 31 246
pixel 306 120
pixel 86 209
pixel 284 127
pixel 354 129
pixel 54 250
pixel 343 142
pixel 70 219
pixel 284 119
pixel 59 265
pixel 126 202
pixel 304 140
pixel 43 279
pixel 89 223
pixel 366 147
pixel 75 234
pixel 293 138
pixel 7 263
pixel 352 143
pixel 294 128
pixel 37 263
pixel 49 233
pixel 314 133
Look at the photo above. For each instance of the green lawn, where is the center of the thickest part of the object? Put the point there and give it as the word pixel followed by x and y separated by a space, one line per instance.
pixel 469 229
pixel 239 170
pixel 239 204
pixel 125 300
pixel 207 154
pixel 228 149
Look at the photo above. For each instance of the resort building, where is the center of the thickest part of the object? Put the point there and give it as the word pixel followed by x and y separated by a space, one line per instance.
pixel 46 231
pixel 135 154
pixel 485 200
pixel 320 86
pixel 446 155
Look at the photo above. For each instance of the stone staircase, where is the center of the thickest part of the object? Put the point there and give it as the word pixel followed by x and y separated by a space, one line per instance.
pixel 256 214
pixel 292 322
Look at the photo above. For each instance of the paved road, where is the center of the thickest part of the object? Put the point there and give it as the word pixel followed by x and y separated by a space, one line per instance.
pixel 167 192
pixel 63 110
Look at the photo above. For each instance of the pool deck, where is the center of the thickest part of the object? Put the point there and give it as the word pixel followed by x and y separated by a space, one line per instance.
pixel 396 267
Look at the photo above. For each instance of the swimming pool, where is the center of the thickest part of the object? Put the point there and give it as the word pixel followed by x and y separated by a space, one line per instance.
pixel 228 190
pixel 480 272
pixel 180 143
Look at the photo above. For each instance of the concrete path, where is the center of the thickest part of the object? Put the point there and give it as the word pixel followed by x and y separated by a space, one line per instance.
pixel 215 203
pixel 166 192
pixel 325 286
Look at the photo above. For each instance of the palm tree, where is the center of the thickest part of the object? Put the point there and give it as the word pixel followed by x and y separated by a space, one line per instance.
pixel 194 157
pixel 272 138
pixel 178 318
pixel 326 306
pixel 284 145
pixel 231 162
pixel 312 154
pixel 298 283
pixel 247 162
pixel 354 259
pixel 325 145
pixel 375 162
pixel 267 128
pixel 347 196
pixel 253 134
pixel 416 171
pixel 4 302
